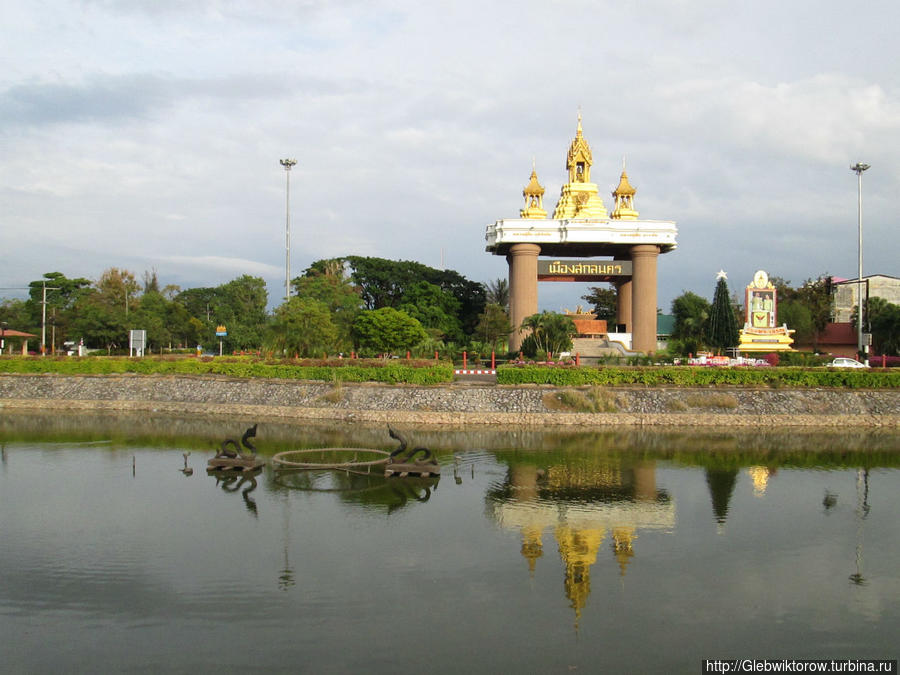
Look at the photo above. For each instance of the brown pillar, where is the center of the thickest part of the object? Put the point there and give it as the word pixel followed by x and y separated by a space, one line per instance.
pixel 523 300
pixel 645 481
pixel 623 304
pixel 643 301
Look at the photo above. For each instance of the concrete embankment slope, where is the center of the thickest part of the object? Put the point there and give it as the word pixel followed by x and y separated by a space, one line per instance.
pixel 456 404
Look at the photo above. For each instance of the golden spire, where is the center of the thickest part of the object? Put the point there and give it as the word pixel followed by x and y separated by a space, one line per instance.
pixel 579 159
pixel 578 198
pixel 534 197
pixel 578 549
pixel 623 196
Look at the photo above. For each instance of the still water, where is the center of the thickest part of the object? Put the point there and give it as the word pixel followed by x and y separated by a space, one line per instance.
pixel 535 552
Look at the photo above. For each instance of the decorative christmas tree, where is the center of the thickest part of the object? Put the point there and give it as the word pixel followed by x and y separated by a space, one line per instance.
pixel 722 329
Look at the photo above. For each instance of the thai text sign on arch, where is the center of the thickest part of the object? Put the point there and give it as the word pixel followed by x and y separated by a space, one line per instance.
pixel 583 270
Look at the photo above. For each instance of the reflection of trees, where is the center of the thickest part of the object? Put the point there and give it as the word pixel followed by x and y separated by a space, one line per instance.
pixel 721 486
pixel 696 447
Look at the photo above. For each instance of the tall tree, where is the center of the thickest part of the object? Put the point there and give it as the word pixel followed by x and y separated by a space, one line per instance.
pixel 385 283
pixel 387 330
pixel 497 293
pixel 118 289
pixel 303 326
pixel 328 282
pixel 816 296
pixel 550 332
pixel 691 314
pixel 722 327
pixel 604 302
pixel 883 319
pixel 493 325
pixel 436 309
pixel 61 300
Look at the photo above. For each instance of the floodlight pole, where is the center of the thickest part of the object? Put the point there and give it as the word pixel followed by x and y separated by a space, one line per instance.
pixel 287 164
pixel 858 168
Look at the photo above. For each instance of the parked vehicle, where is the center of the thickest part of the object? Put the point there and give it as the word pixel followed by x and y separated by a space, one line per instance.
pixel 845 362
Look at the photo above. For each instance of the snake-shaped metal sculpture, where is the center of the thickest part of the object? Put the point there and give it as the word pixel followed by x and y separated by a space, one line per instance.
pixel 225 451
pixel 397 456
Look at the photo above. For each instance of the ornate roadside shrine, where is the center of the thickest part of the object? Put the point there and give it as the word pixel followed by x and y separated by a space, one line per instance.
pixel 581 227
pixel 761 332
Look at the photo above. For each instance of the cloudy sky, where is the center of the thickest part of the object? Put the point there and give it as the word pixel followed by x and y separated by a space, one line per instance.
pixel 146 134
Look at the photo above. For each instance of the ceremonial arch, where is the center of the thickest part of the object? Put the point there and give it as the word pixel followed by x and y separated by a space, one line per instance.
pixel 583 230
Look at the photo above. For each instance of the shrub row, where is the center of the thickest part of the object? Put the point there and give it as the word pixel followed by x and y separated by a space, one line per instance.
pixel 389 372
pixel 684 376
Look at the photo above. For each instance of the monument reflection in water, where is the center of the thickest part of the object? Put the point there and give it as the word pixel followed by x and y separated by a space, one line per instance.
pixel 533 552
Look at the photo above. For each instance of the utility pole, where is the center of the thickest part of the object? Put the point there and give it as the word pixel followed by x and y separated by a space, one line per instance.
pixel 44 316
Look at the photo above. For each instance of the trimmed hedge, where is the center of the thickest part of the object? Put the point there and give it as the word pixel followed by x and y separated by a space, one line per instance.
pixel 686 376
pixel 353 371
pixel 429 372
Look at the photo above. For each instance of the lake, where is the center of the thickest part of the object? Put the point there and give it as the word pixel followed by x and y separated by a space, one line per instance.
pixel 551 551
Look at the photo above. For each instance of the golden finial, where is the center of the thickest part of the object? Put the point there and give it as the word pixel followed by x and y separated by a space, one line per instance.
pixel 623 197
pixel 534 196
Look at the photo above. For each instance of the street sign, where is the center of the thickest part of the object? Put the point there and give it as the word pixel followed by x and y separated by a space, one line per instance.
pixel 221 332
pixel 137 342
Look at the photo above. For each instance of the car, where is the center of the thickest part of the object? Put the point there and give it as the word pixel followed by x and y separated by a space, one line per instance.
pixel 844 362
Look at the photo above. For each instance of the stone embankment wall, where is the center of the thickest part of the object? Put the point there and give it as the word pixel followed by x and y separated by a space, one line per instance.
pixel 456 404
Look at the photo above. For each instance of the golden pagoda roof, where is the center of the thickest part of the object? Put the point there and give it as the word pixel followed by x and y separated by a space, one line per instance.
pixel 533 188
pixel 625 187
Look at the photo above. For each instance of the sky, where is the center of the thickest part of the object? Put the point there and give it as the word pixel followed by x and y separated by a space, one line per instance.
pixel 146 134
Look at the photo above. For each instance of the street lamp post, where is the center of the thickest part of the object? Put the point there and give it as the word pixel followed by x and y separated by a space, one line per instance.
pixel 287 164
pixel 858 168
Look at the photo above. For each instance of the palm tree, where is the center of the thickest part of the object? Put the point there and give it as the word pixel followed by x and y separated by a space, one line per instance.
pixel 498 293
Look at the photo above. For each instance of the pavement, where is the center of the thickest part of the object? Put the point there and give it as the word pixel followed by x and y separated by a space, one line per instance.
pixel 475 376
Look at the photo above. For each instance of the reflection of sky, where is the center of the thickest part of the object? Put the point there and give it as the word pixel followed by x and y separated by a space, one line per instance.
pixel 163 570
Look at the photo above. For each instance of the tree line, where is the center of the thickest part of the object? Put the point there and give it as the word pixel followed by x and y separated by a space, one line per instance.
pixel 375 306
pixel 340 305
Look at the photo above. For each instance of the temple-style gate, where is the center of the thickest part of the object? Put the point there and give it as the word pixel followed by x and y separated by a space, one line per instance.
pixel 582 228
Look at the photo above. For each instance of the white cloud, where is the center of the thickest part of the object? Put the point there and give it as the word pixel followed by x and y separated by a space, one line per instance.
pixel 135 132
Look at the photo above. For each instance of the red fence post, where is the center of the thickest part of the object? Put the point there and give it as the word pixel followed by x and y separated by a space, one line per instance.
pixel 407 355
pixel 493 360
pixel 464 360
pixel 435 355
pixel 577 359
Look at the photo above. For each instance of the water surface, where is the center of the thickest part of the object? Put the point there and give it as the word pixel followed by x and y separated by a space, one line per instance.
pixel 620 551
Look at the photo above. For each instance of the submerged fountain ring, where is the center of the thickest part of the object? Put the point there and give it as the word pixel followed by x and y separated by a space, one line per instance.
pixel 289 459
